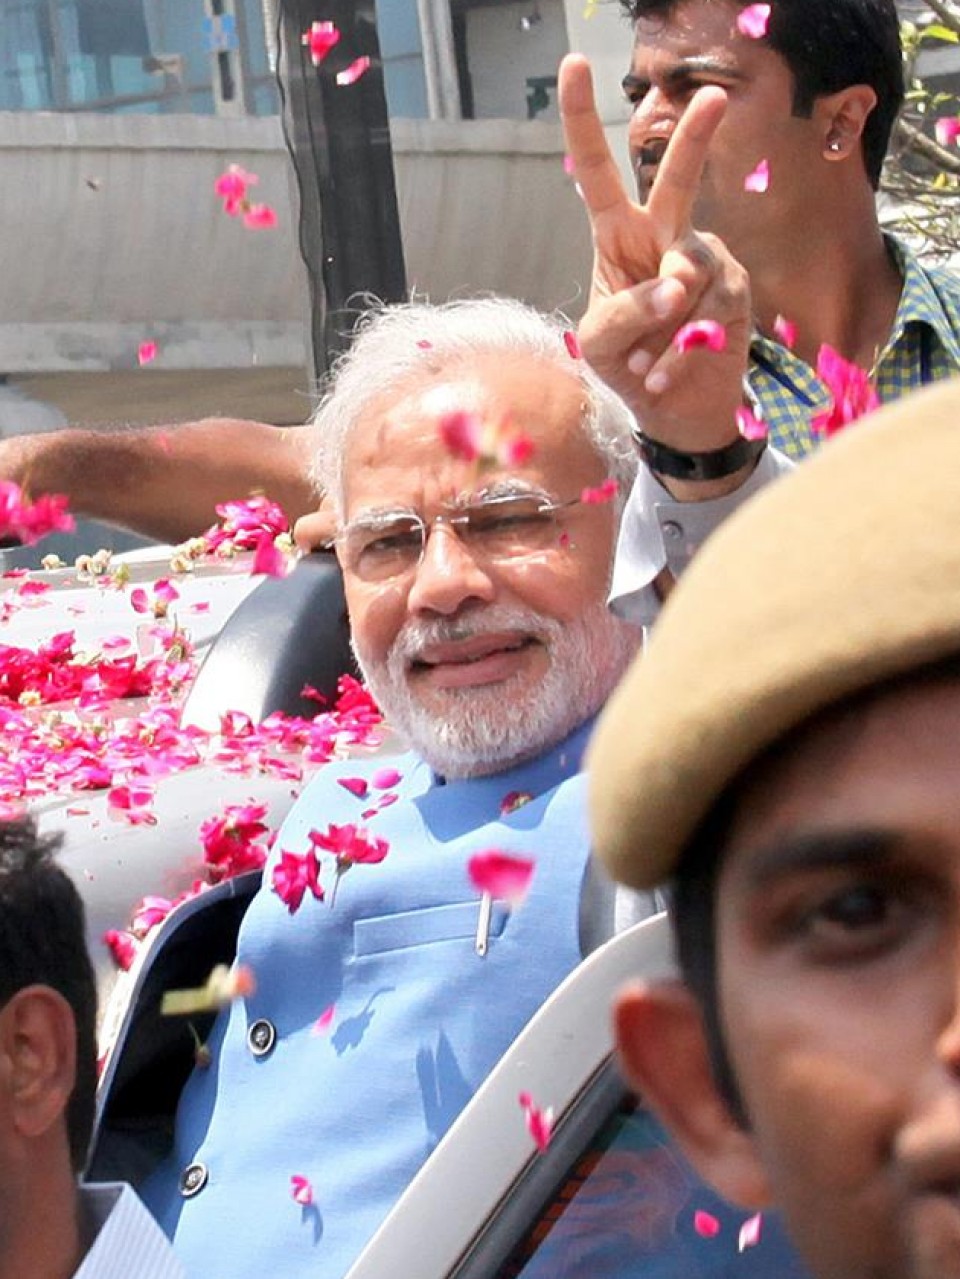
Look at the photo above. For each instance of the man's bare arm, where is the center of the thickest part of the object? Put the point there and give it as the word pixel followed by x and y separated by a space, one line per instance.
pixel 165 481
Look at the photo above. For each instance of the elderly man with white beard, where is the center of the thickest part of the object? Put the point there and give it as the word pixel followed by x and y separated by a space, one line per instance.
pixel 470 455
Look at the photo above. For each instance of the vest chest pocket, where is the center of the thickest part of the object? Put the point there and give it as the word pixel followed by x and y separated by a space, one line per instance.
pixel 409 928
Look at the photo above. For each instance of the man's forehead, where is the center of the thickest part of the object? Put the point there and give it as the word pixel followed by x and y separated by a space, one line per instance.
pixel 886 759
pixel 403 429
pixel 697 32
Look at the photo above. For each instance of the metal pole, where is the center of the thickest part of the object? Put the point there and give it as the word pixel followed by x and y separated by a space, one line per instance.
pixel 339 139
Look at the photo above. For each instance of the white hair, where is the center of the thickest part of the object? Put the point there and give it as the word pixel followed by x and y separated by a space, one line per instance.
pixel 396 343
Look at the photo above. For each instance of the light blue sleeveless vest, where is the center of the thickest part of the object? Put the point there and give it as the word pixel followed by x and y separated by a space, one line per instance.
pixel 420 1017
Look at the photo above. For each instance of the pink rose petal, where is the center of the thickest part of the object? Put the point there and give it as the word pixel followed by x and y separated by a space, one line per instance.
pixel 568 165
pixel 705 1224
pixel 749 1235
pixel 539 1121
pixel 502 875
pixel 572 343
pixel 260 217
pixel 785 331
pixel 700 333
pixel 759 179
pixel 753 21
pixel 513 800
pixel 461 433
pixel 749 426
pixel 320 39
pixel 324 1021
pixel 301 1190
pixel 515 450
pixel 354 71
pixel 355 785
pixel 386 778
pixel 604 492
pixel 146 353
pixel 269 559
pixel 947 130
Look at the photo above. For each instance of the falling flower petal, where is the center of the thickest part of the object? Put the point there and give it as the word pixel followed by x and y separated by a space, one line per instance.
pixel 513 800
pixel 300 1187
pixel 29 521
pixel 706 1224
pixel 539 1121
pixel 700 333
pixel 785 331
pixel 232 185
pixel 324 1021
pixel 853 395
pixel 604 492
pixel 385 778
pixel 355 785
pixel 749 1235
pixel 515 450
pixel 354 71
pixel 750 426
pixel 424 345
pixel 568 165
pixel 259 217
pixel 759 179
pixel 223 986
pixel 146 353
pixel 502 875
pixel 753 21
pixel 572 343
pixel 947 130
pixel 461 434
pixel 320 39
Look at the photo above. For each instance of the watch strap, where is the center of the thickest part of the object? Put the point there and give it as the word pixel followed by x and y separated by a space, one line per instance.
pixel 713 465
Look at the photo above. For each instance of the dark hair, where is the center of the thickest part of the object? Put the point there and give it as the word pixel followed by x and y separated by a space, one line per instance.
pixel 829 45
pixel 42 943
pixel 693 916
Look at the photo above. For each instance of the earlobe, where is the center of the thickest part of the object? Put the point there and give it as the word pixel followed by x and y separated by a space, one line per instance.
pixel 38 1056
pixel 664 1056
pixel 844 117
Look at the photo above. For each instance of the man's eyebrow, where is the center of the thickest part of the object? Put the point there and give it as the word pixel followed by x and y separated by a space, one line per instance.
pixel 680 71
pixel 379 516
pixel 820 850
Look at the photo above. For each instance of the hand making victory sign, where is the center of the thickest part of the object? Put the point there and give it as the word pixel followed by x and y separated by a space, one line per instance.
pixel 653 273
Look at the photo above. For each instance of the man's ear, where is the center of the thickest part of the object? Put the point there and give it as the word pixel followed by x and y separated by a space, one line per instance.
pixel 842 117
pixel 37 1058
pixel 663 1052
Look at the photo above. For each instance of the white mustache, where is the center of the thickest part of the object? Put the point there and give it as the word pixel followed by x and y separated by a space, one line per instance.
pixel 419 635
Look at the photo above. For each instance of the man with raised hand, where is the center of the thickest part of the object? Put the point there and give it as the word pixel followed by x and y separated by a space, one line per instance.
pixel 471 463
pixel 48 1070
pixel 782 130
pixel 784 756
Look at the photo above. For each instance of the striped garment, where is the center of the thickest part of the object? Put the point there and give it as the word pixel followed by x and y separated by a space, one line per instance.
pixel 924 346
pixel 127 1242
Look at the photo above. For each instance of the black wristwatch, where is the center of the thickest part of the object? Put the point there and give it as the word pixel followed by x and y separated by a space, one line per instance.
pixel 714 465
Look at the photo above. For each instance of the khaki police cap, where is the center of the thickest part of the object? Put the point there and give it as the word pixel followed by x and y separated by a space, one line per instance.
pixel 842 574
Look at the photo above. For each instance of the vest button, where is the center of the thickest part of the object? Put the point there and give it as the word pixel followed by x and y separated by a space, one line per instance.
pixel 261 1037
pixel 193 1179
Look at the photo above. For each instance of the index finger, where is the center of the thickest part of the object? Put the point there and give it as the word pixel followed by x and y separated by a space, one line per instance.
pixel 596 170
pixel 675 188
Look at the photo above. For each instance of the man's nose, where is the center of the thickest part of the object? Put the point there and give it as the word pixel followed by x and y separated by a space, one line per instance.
pixel 948 1040
pixel 448 575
